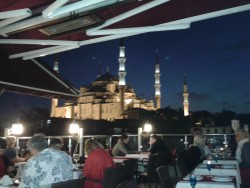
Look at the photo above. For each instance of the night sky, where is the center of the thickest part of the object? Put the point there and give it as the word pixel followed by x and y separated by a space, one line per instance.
pixel 214 54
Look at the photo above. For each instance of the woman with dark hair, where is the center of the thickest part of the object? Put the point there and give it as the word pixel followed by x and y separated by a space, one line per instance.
pixel 120 149
pixel 97 160
pixel 157 145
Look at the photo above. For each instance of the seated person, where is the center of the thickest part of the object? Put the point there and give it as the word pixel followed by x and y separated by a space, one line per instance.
pixel 11 151
pixel 47 165
pixel 243 155
pixel 97 160
pixel 157 145
pixel 120 149
pixel 56 143
pixel 195 153
pixel 4 162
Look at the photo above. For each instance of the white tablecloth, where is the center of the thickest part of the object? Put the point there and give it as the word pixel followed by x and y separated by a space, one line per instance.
pixel 230 162
pixel 120 159
pixel 219 172
pixel 186 184
pixel 139 156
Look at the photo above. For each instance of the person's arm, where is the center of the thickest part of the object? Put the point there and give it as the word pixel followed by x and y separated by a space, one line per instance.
pixel 123 149
pixel 28 174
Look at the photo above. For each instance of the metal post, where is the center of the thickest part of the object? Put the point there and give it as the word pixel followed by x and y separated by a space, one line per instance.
pixel 17 143
pixel 186 142
pixel 225 140
pixel 110 142
pixel 139 138
pixel 81 141
pixel 70 145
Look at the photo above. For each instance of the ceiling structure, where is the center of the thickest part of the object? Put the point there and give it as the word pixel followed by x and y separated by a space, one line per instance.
pixel 35 28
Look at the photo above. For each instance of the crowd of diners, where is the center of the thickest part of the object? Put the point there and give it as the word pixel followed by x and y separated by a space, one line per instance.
pixel 47 163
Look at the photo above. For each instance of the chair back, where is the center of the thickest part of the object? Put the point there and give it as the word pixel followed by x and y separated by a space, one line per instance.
pixel 75 183
pixel 128 184
pixel 112 176
pixel 151 167
pixel 130 168
pixel 165 179
pixel 180 164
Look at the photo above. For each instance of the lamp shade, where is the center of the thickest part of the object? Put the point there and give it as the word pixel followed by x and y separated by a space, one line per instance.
pixel 17 128
pixel 147 127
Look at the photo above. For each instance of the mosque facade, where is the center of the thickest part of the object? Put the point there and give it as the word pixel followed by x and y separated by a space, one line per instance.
pixel 108 97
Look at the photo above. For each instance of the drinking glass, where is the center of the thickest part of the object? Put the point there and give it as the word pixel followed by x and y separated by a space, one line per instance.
pixel 192 181
pixel 209 167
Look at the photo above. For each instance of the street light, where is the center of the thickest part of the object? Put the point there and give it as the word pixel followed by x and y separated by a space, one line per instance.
pixel 73 128
pixel 16 129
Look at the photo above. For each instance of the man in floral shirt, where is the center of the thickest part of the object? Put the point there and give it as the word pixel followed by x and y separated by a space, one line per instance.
pixel 47 165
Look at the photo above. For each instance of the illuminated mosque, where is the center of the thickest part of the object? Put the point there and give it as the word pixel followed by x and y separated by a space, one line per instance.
pixel 110 98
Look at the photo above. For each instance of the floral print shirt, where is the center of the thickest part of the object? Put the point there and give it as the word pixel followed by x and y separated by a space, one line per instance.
pixel 48 167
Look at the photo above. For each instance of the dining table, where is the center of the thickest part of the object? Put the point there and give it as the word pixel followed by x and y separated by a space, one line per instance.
pixel 205 181
pixel 218 170
pixel 224 161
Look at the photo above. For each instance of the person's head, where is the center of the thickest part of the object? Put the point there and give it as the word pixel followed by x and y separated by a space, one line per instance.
pixel 91 145
pixel 196 130
pixel 36 144
pixel 199 140
pixel 11 141
pixel 153 139
pixel 3 145
pixel 240 134
pixel 124 138
pixel 56 143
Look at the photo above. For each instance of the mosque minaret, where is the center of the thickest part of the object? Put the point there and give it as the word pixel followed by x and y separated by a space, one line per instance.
pixel 122 75
pixel 157 83
pixel 185 96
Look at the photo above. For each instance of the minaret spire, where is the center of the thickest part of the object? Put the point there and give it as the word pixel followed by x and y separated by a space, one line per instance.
pixel 157 82
pixel 122 74
pixel 185 96
pixel 56 64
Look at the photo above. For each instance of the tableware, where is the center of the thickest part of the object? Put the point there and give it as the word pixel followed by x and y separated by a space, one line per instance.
pixel 197 177
pixel 6 181
pixel 216 158
pixel 227 166
pixel 202 166
pixel 209 167
pixel 222 178
pixel 192 181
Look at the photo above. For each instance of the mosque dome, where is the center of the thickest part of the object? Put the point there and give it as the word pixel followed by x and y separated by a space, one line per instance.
pixel 107 77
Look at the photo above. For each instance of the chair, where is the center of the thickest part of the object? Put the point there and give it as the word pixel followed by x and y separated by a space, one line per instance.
pixel 128 184
pixel 76 183
pixel 151 174
pixel 112 176
pixel 165 179
pixel 180 164
pixel 130 169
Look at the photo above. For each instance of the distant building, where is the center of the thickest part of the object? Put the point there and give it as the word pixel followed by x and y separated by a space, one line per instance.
pixel 108 97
